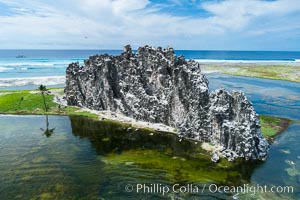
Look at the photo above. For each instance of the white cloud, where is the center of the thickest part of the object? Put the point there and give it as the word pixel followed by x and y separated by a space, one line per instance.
pixel 125 6
pixel 232 8
pixel 238 14
pixel 113 23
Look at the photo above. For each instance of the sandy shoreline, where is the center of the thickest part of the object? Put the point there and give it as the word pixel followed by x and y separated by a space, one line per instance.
pixel 127 120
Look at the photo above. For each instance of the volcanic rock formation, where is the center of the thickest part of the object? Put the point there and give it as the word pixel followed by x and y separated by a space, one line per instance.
pixel 155 85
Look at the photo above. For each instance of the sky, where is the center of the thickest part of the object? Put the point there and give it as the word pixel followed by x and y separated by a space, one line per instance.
pixel 182 24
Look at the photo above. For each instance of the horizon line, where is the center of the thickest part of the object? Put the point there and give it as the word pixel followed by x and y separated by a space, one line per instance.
pixel 43 49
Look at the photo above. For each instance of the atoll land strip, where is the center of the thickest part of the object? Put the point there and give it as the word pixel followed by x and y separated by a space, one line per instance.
pixel 284 72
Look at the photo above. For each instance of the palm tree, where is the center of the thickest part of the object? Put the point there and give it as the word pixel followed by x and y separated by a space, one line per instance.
pixel 43 91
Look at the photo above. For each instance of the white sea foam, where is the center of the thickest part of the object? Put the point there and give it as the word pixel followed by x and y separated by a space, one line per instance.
pixel 4 69
pixel 47 80
pixel 34 63
pixel 27 64
pixel 246 61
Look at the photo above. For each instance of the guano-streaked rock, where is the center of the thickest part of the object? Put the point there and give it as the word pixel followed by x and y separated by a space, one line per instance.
pixel 155 85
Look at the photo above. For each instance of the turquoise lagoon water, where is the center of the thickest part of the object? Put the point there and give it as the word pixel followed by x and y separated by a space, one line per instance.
pixel 81 160
pixel 275 98
pixel 84 159
pixel 270 97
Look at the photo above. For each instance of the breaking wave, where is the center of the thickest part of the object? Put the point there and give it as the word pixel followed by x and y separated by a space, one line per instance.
pixel 34 64
pixel 38 63
pixel 4 69
pixel 16 82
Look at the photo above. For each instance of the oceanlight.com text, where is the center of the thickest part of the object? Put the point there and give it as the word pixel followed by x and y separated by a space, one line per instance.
pixel 206 188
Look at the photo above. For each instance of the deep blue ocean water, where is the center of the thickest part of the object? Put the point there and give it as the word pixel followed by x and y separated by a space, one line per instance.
pixel 27 68
pixel 195 54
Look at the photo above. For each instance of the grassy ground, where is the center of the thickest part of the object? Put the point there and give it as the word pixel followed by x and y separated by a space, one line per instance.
pixel 276 72
pixel 23 101
pixel 272 126
pixel 30 102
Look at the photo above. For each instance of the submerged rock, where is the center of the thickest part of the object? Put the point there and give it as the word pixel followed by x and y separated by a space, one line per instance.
pixel 155 85
pixel 215 157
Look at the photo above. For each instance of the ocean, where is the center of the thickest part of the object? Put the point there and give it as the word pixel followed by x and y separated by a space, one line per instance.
pixel 26 69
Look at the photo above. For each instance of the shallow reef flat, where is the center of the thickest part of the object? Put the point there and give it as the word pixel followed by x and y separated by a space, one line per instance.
pixel 286 72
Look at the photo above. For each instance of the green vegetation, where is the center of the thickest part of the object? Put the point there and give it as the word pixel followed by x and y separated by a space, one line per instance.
pixel 24 102
pixel 73 110
pixel 272 126
pixel 31 102
pixel 276 72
